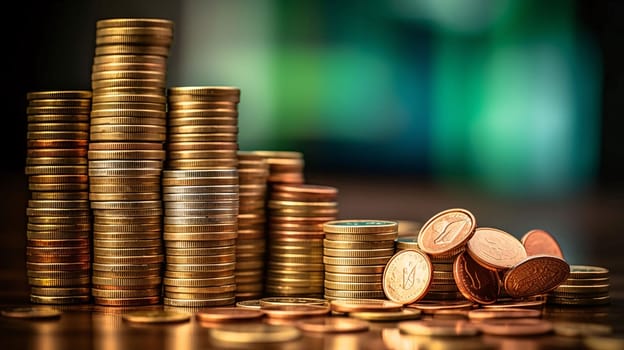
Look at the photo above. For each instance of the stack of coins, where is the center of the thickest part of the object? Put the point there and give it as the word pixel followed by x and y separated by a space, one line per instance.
pixel 201 196
pixel 126 156
pixel 203 127
pixel 284 166
pixel 587 285
pixel 253 171
pixel 355 254
pixel 201 215
pixel 295 256
pixel 58 252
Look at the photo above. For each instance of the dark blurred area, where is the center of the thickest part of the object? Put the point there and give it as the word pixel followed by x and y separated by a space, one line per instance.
pixel 509 96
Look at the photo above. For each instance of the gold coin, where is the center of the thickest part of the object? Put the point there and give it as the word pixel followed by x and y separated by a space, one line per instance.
pixel 365 305
pixel 354 294
pixel 294 311
pixel 431 307
pixel 581 329
pixel 59 94
pixel 355 286
pixel 589 300
pixel 516 327
pixel 32 312
pixel 357 245
pixel 228 314
pixel 585 271
pixel 564 289
pixel 603 342
pixel 58 110
pixel 360 226
pixel 407 276
pixel 332 325
pixel 438 327
pixel 57 126
pixel 229 266
pixel 364 269
pixel 376 237
pixel 58 300
pixel 60 291
pixel 156 317
pixel 127 301
pixel 254 333
pixel 58 118
pixel 198 302
pixel 358 253
pixel 125 293
pixel 385 316
pixel 481 314
pixel 123 49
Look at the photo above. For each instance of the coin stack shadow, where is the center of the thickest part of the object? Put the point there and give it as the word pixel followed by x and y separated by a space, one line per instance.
pixel 126 153
pixel 295 256
pixel 201 197
pixel 253 172
pixel 355 256
pixel 58 251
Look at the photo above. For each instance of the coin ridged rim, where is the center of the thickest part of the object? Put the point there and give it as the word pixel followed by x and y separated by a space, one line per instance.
pixel 59 94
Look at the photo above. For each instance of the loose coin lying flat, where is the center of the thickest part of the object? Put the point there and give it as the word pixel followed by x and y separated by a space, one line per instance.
pixel 518 327
pixel 31 312
pixel 294 311
pixel 255 333
pixel 481 314
pixel 226 314
pixel 279 301
pixel 436 327
pixel 332 325
pixel 403 315
pixel 604 343
pixel 365 305
pixel 249 304
pixel 431 306
pixel 156 316
pixel 581 329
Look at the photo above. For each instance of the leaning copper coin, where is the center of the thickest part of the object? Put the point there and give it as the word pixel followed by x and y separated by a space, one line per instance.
pixel 518 327
pixel 481 314
pixel 31 312
pixel 495 249
pixel 332 325
pixel 537 242
pixel 474 281
pixel 362 305
pixel 407 276
pixel 538 274
pixel 446 231
pixel 227 314
pixel 436 327
pixel 294 311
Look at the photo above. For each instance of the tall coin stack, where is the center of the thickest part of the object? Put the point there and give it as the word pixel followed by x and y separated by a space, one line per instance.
pixel 201 196
pixel 355 253
pixel 295 255
pixel 58 252
pixel 126 153
pixel 253 172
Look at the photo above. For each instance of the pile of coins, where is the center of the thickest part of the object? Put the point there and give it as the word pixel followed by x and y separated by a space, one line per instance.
pixel 126 156
pixel 201 215
pixel 295 257
pixel 284 166
pixel 355 253
pixel 58 250
pixel 201 196
pixel 253 172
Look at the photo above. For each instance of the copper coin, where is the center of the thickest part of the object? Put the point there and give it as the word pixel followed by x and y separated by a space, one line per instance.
pixel 332 325
pixel 537 242
pixel 538 274
pixel 481 314
pixel 294 311
pixel 495 249
pixel 446 231
pixel 474 281
pixel 156 316
pixel 227 314
pixel 437 327
pixel 530 303
pixel 254 333
pixel 407 276
pixel 519 327
pixel 363 305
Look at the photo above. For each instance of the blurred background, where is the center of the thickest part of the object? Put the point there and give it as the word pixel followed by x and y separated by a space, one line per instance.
pixel 517 97
pixel 511 108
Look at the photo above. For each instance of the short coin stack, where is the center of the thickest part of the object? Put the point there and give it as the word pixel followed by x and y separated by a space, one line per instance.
pixel 253 171
pixel 355 254
pixel 587 285
pixel 58 251
pixel 201 196
pixel 295 259
pixel 201 208
pixel 126 156
pixel 284 166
